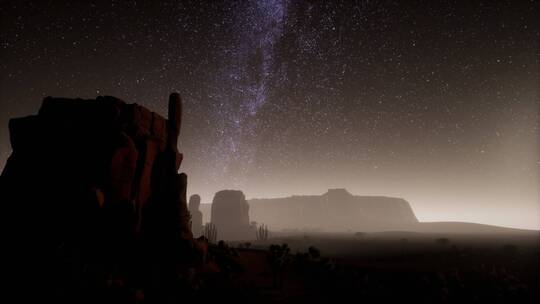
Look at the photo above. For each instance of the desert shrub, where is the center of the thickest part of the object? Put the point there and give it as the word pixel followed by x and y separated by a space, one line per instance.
pixel 443 241
pixel 510 249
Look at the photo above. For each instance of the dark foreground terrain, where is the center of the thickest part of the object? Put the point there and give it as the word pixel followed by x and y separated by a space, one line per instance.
pixel 388 266
pixel 318 268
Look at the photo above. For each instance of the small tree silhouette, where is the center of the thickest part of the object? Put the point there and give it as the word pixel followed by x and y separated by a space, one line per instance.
pixel 278 258
pixel 314 252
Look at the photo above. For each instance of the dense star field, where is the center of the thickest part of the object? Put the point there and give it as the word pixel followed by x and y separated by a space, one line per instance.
pixel 436 102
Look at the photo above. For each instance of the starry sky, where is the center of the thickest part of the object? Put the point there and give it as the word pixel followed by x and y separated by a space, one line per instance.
pixel 433 101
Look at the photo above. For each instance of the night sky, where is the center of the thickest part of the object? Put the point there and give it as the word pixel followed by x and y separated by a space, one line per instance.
pixel 433 101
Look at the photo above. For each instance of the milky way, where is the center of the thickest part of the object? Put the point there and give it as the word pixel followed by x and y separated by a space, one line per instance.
pixel 433 101
pixel 247 72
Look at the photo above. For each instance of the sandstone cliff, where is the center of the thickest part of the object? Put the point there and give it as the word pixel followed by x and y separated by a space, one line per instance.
pixel 93 194
pixel 336 210
pixel 230 214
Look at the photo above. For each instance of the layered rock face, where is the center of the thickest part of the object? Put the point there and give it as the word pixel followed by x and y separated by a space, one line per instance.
pixel 230 214
pixel 96 182
pixel 103 153
pixel 336 210
pixel 196 214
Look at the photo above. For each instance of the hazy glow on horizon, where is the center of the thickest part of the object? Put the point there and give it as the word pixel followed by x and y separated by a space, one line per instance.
pixel 505 193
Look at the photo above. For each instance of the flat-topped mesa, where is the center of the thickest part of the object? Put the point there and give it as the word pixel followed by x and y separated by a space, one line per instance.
pixel 335 210
pixel 76 154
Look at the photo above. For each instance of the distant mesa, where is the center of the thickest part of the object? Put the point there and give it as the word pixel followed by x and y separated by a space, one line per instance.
pixel 230 215
pixel 337 210
pixel 334 211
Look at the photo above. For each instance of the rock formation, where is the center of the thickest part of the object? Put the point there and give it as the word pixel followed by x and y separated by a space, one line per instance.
pixel 196 214
pixel 97 181
pixel 115 155
pixel 336 210
pixel 230 214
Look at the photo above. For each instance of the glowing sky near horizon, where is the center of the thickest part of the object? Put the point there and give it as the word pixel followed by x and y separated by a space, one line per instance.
pixel 433 101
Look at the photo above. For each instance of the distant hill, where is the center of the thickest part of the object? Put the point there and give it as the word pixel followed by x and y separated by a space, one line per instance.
pixel 463 227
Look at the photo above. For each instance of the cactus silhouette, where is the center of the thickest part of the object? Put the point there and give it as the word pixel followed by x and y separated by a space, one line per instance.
pixel 210 232
pixel 262 233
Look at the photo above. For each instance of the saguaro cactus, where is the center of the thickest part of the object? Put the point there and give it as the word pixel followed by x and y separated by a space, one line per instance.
pixel 210 232
pixel 262 233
